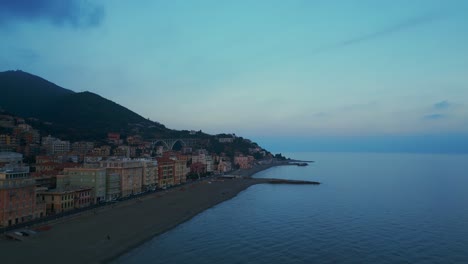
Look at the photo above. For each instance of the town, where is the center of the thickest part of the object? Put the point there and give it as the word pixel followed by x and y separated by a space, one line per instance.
pixel 43 176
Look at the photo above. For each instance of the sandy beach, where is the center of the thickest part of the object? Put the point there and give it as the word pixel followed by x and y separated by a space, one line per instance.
pixel 101 235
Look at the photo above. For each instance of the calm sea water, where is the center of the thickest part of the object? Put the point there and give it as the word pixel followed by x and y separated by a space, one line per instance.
pixel 370 208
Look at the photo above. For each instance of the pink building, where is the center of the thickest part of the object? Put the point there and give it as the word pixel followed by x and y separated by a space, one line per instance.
pixel 243 162
pixel 18 197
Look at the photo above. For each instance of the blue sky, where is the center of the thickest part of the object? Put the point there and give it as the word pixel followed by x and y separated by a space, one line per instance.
pixel 272 70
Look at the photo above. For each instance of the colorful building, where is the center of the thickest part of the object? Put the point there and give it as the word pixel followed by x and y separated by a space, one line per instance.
pixel 244 162
pixel 166 169
pixel 17 197
pixel 179 171
pixel 130 172
pixel 63 200
pixel 150 174
pixel 94 178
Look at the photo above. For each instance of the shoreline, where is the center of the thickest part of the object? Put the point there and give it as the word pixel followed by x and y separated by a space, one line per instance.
pixel 105 234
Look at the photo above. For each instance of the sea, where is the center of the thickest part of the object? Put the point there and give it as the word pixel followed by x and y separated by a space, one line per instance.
pixel 370 208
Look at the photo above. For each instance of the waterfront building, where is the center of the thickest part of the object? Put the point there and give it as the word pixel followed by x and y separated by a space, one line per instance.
pixel 130 172
pixel 209 163
pixel 166 169
pixel 243 162
pixel 112 186
pixel 65 199
pixel 17 196
pixel 224 166
pixel 183 168
pixel 84 197
pixel 94 178
pixel 150 174
pixel 179 171
pixel 197 168
pixel 47 179
pixel 204 158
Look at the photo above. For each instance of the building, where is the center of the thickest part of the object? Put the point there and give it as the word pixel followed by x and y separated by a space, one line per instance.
pixel 103 151
pixel 166 169
pixel 122 151
pixel 53 167
pixel 94 178
pixel 209 163
pixel 55 146
pixel 67 199
pixel 150 174
pixel 130 173
pixel 243 162
pixel 11 158
pixel 18 197
pixel 224 166
pixel 112 186
pixel 180 175
pixel 83 197
pixel 26 134
pixel 46 179
pixel 159 150
pixel 7 142
pixel 114 138
pixel 204 158
pixel 82 147
pixel 198 168
pixel 226 140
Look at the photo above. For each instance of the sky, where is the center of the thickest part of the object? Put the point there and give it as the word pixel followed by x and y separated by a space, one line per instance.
pixel 292 75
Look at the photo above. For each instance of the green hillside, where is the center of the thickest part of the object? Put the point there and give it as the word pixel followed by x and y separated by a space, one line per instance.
pixel 68 114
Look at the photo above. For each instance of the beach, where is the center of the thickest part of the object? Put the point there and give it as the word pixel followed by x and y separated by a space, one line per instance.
pixel 101 235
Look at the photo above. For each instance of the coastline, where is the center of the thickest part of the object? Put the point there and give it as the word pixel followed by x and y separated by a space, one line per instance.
pixel 104 234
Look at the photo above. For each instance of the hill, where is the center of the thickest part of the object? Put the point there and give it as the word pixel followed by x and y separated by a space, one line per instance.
pixel 70 115
pixel 24 93
pixel 87 116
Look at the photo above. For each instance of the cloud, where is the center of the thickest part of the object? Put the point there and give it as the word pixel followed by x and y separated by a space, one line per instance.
pixel 442 105
pixel 76 13
pixel 404 25
pixel 434 116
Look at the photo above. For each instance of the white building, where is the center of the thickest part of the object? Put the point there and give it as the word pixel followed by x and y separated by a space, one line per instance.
pixel 55 146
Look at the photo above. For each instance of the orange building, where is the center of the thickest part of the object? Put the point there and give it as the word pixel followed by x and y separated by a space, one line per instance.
pixel 166 170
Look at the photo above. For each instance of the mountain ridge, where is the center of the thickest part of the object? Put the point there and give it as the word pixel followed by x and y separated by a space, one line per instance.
pixel 73 116
pixel 82 115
